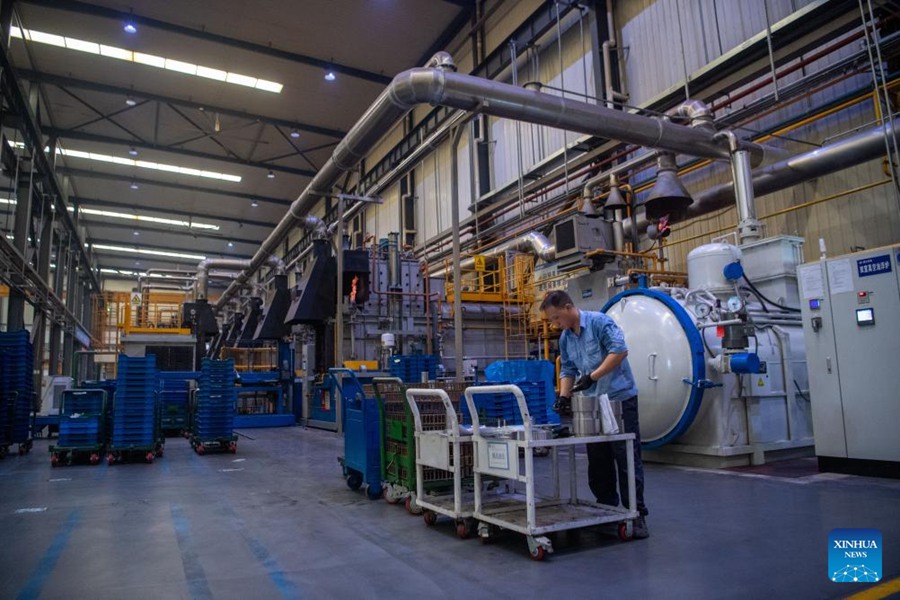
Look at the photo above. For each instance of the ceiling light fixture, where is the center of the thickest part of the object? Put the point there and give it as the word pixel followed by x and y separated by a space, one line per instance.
pixel 136 232
pixel 329 75
pixel 149 60
pixel 231 244
pixel 130 28
pixel 254 203
pixel 133 151
pixel 133 217
pixel 148 252
pixel 134 185
pixel 295 133
pixel 130 101
pixel 270 174
pixel 143 164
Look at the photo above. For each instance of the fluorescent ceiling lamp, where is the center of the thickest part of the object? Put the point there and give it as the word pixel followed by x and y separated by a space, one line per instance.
pixel 145 218
pixel 148 252
pixel 143 164
pixel 141 58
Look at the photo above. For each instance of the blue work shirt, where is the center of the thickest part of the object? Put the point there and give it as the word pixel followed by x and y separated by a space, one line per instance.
pixel 582 354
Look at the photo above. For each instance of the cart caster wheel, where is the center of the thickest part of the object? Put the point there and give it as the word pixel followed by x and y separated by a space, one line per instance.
pixel 484 539
pixel 626 531
pixel 389 496
pixel 462 531
pixel 542 451
pixel 411 506
pixel 54 461
pixel 430 517
pixel 232 447
pixel 354 480
pixel 110 459
pixel 201 449
pixel 149 458
pixel 373 493
pixel 95 458
pixel 159 452
pixel 538 553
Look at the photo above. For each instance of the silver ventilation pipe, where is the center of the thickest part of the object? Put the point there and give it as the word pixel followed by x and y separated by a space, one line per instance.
pixel 749 227
pixel 443 87
pixel 848 152
pixel 697 112
pixel 204 266
pixel 532 242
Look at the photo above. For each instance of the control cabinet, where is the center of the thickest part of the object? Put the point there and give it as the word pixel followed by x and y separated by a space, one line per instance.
pixel 851 324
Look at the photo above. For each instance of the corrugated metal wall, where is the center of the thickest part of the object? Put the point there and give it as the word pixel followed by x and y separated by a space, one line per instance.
pixel 652 34
pixel 664 39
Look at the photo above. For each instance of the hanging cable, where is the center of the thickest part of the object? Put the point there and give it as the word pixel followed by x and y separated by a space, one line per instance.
pixel 762 297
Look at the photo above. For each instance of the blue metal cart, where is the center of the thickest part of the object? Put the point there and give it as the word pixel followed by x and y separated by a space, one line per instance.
pixel 361 417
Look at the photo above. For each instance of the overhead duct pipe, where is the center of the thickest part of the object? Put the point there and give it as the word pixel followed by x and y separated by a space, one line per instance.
pixel 204 266
pixel 441 86
pixel 611 95
pixel 849 152
pixel 533 242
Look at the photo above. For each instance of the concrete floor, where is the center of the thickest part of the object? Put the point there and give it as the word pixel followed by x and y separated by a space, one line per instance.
pixel 277 520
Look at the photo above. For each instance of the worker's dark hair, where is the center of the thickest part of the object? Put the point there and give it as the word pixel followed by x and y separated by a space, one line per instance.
pixel 556 299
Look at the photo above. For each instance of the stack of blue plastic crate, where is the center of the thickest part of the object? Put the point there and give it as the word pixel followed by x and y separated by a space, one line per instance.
pixel 502 409
pixel 79 432
pixel 135 410
pixel 215 405
pixel 17 364
pixel 5 412
pixel 81 424
pixel 108 386
pixel 409 367
pixel 174 396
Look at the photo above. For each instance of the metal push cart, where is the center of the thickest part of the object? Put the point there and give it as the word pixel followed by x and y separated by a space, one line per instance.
pixel 397 468
pixel 82 427
pixel 497 455
pixel 444 459
pixel 361 416
pixel 440 444
pixel 398 442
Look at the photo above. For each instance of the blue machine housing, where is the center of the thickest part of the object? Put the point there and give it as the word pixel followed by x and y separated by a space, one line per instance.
pixel 745 363
pixel 698 380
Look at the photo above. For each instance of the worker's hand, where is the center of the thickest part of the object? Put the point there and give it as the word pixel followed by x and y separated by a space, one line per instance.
pixel 563 406
pixel 584 382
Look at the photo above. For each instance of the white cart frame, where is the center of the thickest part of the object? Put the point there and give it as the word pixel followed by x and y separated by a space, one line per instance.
pixel 434 449
pixel 498 456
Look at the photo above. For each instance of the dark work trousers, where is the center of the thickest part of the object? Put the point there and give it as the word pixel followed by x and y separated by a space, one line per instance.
pixel 605 460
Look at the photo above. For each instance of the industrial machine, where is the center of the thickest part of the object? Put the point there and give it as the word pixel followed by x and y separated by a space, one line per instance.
pixel 720 365
pixel 851 323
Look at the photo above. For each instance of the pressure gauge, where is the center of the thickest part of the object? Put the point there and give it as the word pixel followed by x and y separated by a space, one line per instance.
pixel 702 310
pixel 734 304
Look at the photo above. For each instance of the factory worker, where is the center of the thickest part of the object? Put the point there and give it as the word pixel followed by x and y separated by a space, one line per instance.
pixel 593 356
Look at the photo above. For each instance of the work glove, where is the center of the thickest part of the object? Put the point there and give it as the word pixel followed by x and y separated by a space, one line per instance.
pixel 563 406
pixel 584 382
